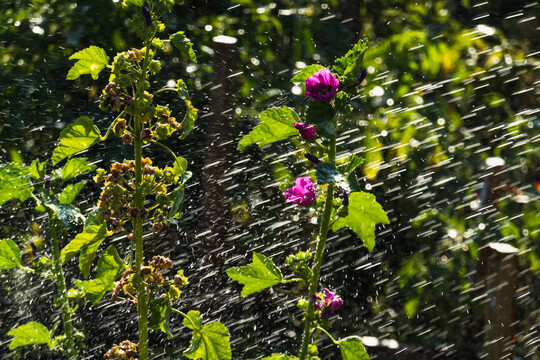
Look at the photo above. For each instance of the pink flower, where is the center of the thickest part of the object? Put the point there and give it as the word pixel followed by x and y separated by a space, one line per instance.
pixel 303 192
pixel 326 303
pixel 307 132
pixel 321 86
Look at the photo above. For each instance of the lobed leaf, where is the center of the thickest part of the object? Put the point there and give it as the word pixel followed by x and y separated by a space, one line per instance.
pixel 364 213
pixel 70 192
pixel 14 183
pixel 31 333
pixel 91 234
pixel 211 342
pixel 276 125
pixel 76 137
pixel 182 43
pixel 306 72
pixel 280 357
pixel 327 173
pixel 75 167
pixel 91 61
pixel 160 318
pixel 351 348
pixel 68 214
pixel 257 276
pixel 348 65
pixel 37 169
pixel 10 255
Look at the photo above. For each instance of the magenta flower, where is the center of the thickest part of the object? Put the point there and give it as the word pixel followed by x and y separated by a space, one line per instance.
pixel 326 303
pixel 302 193
pixel 321 86
pixel 307 132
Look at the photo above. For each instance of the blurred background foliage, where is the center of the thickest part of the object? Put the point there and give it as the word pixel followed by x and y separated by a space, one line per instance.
pixel 451 85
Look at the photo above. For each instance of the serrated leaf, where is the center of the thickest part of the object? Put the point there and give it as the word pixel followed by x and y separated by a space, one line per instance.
pixel 348 65
pixel 211 342
pixel 70 192
pixel 75 167
pixel 37 169
pixel 91 61
pixel 76 137
pixel 193 320
pixel 10 254
pixel 91 234
pixel 160 310
pixel 177 203
pixel 182 43
pixel 306 72
pixel 321 114
pixel 364 213
pixel 327 173
pixel 280 357
pixel 257 276
pixel 351 348
pixel 110 266
pixel 347 165
pixel 14 183
pixel 276 125
pixel 31 333
pixel 68 214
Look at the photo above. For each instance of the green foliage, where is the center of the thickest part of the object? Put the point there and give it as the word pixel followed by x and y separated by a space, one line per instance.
pixel 31 333
pixel 70 192
pixel 351 348
pixel 14 183
pixel 67 213
pixel 10 255
pixel 321 114
pixel 257 276
pixel 183 44
pixel 347 165
pixel 75 167
pixel 348 65
pixel 110 266
pixel 91 61
pixel 90 235
pixel 280 357
pixel 276 125
pixel 327 173
pixel 160 318
pixel 364 213
pixel 306 72
pixel 37 169
pixel 188 122
pixel 209 342
pixel 76 137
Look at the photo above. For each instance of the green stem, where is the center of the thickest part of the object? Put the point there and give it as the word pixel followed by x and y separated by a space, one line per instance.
pixel 104 137
pixel 311 320
pixel 165 89
pixel 62 291
pixel 166 148
pixel 185 317
pixel 22 267
pixel 328 334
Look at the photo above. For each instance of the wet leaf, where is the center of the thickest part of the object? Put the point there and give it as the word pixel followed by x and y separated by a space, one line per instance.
pixel 280 357
pixel 75 167
pixel 160 318
pixel 257 276
pixel 351 348
pixel 327 173
pixel 70 192
pixel 276 125
pixel 37 169
pixel 31 333
pixel 306 72
pixel 182 43
pixel 14 183
pixel 10 255
pixel 347 165
pixel 193 320
pixel 348 65
pixel 91 234
pixel 364 213
pixel 68 214
pixel 210 342
pixel 91 61
pixel 76 137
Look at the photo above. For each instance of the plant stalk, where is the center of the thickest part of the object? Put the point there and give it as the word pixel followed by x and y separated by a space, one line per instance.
pixel 310 322
pixel 61 287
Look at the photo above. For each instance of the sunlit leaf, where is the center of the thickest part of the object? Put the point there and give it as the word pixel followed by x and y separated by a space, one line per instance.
pixel 68 214
pixel 182 43
pixel 177 203
pixel 411 306
pixel 91 61
pixel 14 183
pixel 306 72
pixel 276 125
pixel 257 276
pixel 348 164
pixel 76 137
pixel 351 348
pixel 31 333
pixel 10 255
pixel 193 320
pixel 209 342
pixel 37 169
pixel 348 65
pixel 280 357
pixel 160 310
pixel 91 234
pixel 87 256
pixel 70 192
pixel 364 213
pixel 188 122
pixel 75 167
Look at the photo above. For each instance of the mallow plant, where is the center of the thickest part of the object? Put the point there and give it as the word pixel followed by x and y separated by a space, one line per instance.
pixel 332 190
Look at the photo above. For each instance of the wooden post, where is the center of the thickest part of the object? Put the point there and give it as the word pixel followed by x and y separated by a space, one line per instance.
pixel 219 142
pixel 501 285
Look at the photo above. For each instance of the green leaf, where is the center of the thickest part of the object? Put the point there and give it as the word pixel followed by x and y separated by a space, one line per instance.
pixel 327 173
pixel 276 125
pixel 87 256
pixel 91 234
pixel 364 213
pixel 75 167
pixel 110 266
pixel 347 165
pixel 257 276
pixel 280 357
pixel 31 333
pixel 177 204
pixel 70 192
pixel 352 349
pixel 37 169
pixel 411 307
pixel 68 214
pixel 14 183
pixel 188 122
pixel 306 72
pixel 10 255
pixel 183 44
pixel 160 318
pixel 91 61
pixel 180 166
pixel 348 65
pixel 321 114
pixel 76 137
pixel 211 342
pixel 193 320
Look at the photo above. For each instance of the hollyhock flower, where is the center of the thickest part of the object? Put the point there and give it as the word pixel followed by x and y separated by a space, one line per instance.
pixel 321 86
pixel 312 158
pixel 307 132
pixel 302 193
pixel 326 303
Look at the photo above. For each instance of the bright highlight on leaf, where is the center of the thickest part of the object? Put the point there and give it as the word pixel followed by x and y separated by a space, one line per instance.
pixel 182 43
pixel 306 72
pixel 351 348
pixel 91 61
pixel 348 65
pixel 209 342
pixel 14 183
pixel 76 137
pixel 364 213
pixel 32 333
pixel 257 276
pixel 10 255
pixel 91 234
pixel 276 125
pixel 75 167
